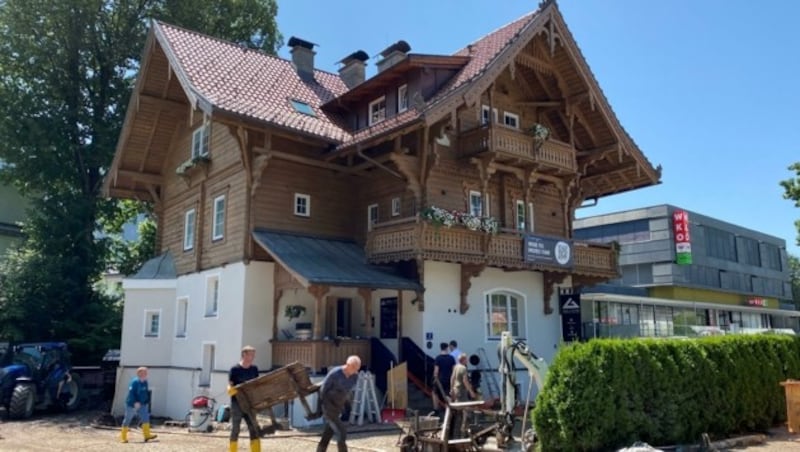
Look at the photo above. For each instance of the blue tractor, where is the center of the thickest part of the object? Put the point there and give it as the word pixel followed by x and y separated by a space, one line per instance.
pixel 37 376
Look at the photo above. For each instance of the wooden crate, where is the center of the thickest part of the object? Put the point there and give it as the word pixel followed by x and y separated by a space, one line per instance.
pixel 276 387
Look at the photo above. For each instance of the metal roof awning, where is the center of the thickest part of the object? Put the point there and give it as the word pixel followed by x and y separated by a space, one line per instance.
pixel 631 299
pixel 332 262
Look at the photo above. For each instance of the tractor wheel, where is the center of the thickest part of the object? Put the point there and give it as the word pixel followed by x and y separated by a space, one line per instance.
pixel 75 390
pixel 22 400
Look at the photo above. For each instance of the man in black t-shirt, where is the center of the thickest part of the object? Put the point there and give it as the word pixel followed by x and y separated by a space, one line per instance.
pixel 442 371
pixel 243 371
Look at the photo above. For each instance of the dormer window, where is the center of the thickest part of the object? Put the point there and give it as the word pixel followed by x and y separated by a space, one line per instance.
pixel 200 140
pixel 377 110
pixel 402 98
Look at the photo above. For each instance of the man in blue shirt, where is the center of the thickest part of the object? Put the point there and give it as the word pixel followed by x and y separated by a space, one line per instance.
pixel 138 401
pixel 333 396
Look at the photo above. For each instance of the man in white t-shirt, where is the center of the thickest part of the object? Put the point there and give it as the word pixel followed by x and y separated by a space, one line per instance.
pixel 454 350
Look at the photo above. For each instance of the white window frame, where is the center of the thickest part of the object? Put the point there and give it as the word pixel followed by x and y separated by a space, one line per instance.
pixel 181 317
pixel 149 331
pixel 207 358
pixel 307 199
pixel 373 111
pixel 212 295
pixel 372 220
pixel 402 98
pixel 520 312
pixel 395 206
pixel 218 228
pixel 512 116
pixel 189 220
pixel 474 194
pixel 200 140
pixel 484 118
pixel 519 217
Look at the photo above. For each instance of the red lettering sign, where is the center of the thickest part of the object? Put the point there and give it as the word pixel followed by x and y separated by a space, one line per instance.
pixel 680 226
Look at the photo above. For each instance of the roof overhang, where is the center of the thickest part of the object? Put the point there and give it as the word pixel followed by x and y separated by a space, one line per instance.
pixel 329 262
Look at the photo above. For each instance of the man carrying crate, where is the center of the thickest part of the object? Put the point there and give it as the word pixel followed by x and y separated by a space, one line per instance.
pixel 243 371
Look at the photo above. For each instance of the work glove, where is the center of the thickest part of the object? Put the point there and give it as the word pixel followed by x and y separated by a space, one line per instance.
pixel 232 391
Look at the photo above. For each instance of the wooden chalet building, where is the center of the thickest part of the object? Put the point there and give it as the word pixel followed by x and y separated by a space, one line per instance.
pixel 306 212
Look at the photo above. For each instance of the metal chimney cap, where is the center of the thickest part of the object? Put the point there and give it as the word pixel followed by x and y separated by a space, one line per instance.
pixel 295 41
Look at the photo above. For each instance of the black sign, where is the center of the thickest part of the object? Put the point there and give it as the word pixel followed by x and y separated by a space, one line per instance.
pixel 549 251
pixel 569 305
pixel 389 318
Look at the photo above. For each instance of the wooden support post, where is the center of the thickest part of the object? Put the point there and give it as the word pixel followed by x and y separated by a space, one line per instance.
pixel 399 314
pixel 319 295
pixel 366 295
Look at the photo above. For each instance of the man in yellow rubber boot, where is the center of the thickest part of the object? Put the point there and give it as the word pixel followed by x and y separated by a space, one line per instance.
pixel 138 402
pixel 243 371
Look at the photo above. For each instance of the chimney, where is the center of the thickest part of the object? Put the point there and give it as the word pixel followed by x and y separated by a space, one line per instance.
pixel 353 71
pixel 303 56
pixel 393 54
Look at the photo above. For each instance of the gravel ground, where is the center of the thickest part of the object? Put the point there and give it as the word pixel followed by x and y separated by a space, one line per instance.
pixel 78 432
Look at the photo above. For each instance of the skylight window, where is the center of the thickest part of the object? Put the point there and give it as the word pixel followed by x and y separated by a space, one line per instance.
pixel 302 107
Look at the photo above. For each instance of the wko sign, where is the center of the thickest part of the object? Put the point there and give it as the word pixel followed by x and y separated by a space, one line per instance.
pixel 680 230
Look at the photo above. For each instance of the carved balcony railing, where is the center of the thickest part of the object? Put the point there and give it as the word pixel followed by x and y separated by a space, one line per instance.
pixel 411 238
pixel 514 145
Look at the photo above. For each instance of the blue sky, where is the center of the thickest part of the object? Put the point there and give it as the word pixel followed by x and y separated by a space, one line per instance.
pixel 708 89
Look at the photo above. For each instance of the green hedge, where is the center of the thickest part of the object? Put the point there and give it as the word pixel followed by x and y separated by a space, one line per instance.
pixel 609 393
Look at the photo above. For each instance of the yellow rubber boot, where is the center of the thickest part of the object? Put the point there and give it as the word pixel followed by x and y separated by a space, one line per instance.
pixel 123 436
pixel 255 445
pixel 146 430
pixel 234 446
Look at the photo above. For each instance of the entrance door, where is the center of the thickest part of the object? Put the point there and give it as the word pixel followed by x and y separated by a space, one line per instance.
pixel 339 317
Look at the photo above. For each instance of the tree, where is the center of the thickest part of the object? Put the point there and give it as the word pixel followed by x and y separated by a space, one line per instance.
pixel 66 72
pixel 791 189
pixel 794 271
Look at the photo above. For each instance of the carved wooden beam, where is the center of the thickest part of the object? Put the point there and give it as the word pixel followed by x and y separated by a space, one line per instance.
pixel 468 271
pixel 409 167
pixel 150 140
pixel 366 295
pixel 486 168
pixel 318 292
pixel 277 293
pixel 535 63
pixel 550 281
pixel 300 159
pixel 149 178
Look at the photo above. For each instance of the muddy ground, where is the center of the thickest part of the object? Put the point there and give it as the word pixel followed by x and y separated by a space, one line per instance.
pixel 85 431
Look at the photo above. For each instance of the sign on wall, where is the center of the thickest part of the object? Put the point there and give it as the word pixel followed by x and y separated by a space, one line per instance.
pixel 548 251
pixel 569 305
pixel 680 230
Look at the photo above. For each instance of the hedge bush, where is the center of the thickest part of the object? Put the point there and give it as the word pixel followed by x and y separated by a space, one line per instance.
pixel 609 393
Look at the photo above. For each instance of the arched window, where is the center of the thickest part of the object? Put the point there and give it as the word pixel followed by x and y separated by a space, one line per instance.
pixel 504 313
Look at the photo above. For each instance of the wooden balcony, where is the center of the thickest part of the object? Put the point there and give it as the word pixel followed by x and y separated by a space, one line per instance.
pixel 512 146
pixel 319 354
pixel 411 237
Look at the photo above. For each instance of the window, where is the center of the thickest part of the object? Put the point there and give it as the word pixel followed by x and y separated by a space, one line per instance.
pixel 212 295
pixel 402 98
pixel 208 365
pixel 377 110
pixel 302 107
pixel 183 315
pixel 302 205
pixel 200 140
pixel 511 119
pixel 188 230
pixel 504 313
pixel 218 229
pixel 520 215
pixel 475 203
pixel 485 115
pixel 772 257
pixel 720 244
pixel 372 216
pixel 152 323
pixel 395 207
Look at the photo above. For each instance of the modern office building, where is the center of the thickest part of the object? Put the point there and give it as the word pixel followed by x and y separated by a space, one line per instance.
pixel 686 274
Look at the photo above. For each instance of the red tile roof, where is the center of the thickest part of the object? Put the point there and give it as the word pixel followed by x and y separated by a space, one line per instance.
pixel 260 86
pixel 251 83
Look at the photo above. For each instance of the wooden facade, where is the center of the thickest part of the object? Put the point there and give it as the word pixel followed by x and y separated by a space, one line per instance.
pixel 435 159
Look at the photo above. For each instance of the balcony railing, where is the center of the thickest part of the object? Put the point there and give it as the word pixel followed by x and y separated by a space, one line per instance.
pixel 514 144
pixel 319 354
pixel 411 237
